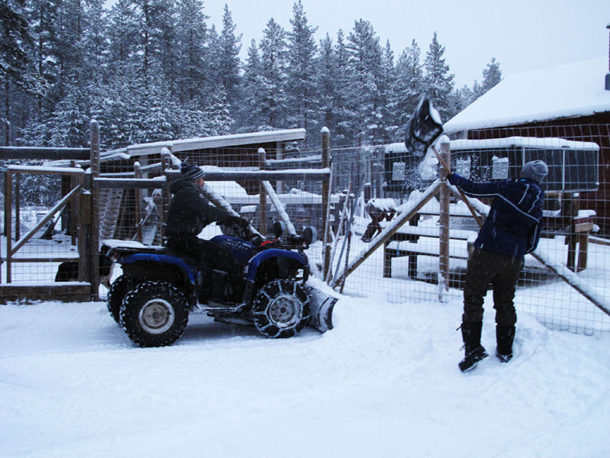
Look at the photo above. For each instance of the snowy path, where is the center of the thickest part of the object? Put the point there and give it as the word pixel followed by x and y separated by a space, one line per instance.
pixel 383 383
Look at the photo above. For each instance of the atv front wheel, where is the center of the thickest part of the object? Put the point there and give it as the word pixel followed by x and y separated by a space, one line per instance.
pixel 154 314
pixel 118 289
pixel 280 308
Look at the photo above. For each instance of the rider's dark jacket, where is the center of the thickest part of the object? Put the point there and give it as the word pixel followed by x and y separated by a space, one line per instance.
pixel 190 211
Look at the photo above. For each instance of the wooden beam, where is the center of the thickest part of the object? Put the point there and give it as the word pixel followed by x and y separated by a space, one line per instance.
pixel 28 152
pixel 67 292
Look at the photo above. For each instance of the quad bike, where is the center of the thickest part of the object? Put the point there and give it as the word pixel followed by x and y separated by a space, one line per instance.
pixel 159 287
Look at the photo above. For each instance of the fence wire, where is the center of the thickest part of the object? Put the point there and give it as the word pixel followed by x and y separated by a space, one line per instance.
pixel 369 188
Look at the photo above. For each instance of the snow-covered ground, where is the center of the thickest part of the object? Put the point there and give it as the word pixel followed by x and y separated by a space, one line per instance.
pixel 383 383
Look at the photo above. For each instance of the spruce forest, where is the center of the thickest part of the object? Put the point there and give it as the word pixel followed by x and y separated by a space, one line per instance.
pixel 150 70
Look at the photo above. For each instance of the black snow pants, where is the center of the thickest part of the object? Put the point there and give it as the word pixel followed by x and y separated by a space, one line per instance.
pixel 502 272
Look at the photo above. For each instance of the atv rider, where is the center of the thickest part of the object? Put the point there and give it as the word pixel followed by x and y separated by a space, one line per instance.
pixel 511 230
pixel 189 212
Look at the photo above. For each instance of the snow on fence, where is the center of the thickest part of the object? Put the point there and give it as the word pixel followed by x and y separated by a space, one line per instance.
pixel 302 186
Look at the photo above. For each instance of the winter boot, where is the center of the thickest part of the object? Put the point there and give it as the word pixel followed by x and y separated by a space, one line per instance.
pixel 504 338
pixel 474 351
pixel 218 281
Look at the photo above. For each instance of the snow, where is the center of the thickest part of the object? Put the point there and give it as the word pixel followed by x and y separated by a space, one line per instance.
pixel 383 383
pixel 572 90
pixel 522 142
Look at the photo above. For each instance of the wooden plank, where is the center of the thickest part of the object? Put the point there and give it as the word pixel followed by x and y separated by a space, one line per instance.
pixel 41 170
pixel 132 183
pixel 45 259
pixel 32 153
pixel 68 292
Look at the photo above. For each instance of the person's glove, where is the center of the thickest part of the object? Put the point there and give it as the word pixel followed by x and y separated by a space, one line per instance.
pixel 451 178
pixel 244 223
pixel 240 222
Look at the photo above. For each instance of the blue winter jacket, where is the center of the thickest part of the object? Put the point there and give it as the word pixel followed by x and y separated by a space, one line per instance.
pixel 513 224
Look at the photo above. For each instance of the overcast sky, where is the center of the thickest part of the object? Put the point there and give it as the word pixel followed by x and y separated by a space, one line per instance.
pixel 522 35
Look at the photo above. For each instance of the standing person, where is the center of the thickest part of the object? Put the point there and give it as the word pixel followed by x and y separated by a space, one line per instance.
pixel 511 230
pixel 189 212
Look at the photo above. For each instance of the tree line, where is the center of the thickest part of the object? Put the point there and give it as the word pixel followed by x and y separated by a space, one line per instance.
pixel 150 70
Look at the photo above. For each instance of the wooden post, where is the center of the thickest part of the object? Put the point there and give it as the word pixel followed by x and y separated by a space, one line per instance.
pixel 17 206
pixel 166 164
pixel 443 260
pixel 279 154
pixel 8 221
pixel 83 207
pixel 74 206
pixel 94 246
pixel 572 238
pixel 583 247
pixel 262 206
pixel 326 200
pixel 137 172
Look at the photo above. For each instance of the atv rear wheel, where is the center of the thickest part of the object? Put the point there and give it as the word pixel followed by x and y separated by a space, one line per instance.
pixel 280 308
pixel 154 314
pixel 118 289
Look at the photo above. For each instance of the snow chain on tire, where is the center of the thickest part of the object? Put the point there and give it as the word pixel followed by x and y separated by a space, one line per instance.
pixel 154 314
pixel 280 308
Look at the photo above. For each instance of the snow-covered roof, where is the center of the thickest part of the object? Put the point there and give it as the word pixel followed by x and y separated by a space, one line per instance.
pixel 523 142
pixel 564 91
pixel 529 142
pixel 220 141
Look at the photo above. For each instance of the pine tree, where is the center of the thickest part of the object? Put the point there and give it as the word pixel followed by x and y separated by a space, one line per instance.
pixel 251 110
pixel 388 121
pixel 327 75
pixel 301 83
pixel 272 97
pixel 227 60
pixel 438 81
pixel 15 36
pixel 192 36
pixel 409 84
pixel 365 60
pixel 343 131
pixel 492 75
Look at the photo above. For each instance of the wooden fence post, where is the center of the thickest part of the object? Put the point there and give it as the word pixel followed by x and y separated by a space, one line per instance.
pixel 262 206
pixel 94 246
pixel 83 206
pixel 137 173
pixel 8 221
pixel 166 164
pixel 443 259
pixel 326 200
pixel 17 206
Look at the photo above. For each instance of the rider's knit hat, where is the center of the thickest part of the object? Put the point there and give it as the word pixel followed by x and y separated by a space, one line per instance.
pixel 190 172
pixel 535 170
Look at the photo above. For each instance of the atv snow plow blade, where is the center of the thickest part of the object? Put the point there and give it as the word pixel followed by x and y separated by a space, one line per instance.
pixel 321 307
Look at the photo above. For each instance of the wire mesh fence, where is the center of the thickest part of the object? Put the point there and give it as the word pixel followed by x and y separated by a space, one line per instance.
pixel 370 187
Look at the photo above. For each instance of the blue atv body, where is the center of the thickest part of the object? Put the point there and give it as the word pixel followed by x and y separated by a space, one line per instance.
pixel 159 287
